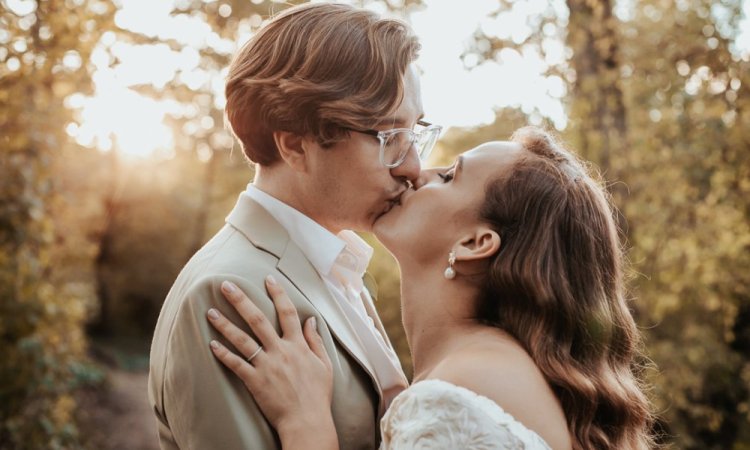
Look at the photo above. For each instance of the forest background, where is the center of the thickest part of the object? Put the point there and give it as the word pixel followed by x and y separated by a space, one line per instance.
pixel 97 217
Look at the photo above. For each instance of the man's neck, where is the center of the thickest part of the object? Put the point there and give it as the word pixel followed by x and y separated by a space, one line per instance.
pixel 287 189
pixel 276 184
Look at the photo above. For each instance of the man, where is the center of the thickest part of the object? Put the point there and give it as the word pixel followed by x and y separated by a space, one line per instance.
pixel 325 101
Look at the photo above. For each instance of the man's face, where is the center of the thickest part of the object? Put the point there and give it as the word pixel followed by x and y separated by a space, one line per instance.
pixel 351 188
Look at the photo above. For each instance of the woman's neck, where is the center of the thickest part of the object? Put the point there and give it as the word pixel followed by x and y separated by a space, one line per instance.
pixel 437 315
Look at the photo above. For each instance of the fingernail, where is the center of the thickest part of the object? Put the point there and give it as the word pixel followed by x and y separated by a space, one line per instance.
pixel 271 280
pixel 213 314
pixel 313 323
pixel 229 287
pixel 214 345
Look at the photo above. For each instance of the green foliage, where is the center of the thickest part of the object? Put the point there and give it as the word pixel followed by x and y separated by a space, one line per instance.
pixel 41 316
pixel 657 100
pixel 152 220
pixel 689 212
pixel 659 103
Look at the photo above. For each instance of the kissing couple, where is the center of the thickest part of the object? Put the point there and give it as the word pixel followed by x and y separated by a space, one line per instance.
pixel 512 291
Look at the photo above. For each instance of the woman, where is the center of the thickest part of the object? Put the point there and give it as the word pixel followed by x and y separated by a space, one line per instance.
pixel 513 306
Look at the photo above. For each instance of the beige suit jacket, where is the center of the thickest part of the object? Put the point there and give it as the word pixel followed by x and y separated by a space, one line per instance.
pixel 198 403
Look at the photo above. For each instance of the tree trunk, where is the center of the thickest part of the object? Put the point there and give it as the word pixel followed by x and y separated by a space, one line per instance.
pixel 101 325
pixel 597 110
pixel 204 208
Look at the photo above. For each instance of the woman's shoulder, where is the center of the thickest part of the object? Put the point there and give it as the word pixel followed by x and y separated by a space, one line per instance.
pixel 437 414
pixel 434 392
pixel 507 376
pixel 499 370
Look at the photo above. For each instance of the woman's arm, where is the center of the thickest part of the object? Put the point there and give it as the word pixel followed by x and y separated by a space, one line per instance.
pixel 290 376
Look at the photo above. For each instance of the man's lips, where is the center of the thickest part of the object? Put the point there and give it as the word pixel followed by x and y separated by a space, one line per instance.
pixel 392 203
pixel 395 201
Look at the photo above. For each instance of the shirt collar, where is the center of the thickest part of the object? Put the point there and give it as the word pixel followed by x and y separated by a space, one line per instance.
pixel 319 245
pixel 351 263
pixel 322 248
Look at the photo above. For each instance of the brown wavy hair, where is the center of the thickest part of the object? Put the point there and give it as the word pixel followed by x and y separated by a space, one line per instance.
pixel 317 69
pixel 557 286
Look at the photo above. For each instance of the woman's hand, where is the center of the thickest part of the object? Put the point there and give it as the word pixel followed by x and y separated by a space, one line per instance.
pixel 290 377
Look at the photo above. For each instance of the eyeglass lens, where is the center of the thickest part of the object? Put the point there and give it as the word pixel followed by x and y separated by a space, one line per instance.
pixel 397 145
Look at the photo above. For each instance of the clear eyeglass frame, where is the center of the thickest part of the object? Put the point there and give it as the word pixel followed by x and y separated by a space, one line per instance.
pixel 396 143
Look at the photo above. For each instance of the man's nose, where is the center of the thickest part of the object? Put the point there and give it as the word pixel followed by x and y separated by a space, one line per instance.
pixel 410 168
pixel 422 179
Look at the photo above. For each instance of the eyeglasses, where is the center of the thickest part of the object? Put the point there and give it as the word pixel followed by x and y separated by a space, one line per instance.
pixel 396 143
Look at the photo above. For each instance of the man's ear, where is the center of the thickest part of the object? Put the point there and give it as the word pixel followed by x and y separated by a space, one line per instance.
pixel 292 148
pixel 479 245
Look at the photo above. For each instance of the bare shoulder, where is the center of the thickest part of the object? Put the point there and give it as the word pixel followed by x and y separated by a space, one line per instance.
pixel 506 374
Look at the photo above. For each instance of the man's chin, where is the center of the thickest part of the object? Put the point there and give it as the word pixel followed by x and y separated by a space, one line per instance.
pixel 376 224
pixel 381 217
pixel 383 232
pixel 376 227
pixel 381 223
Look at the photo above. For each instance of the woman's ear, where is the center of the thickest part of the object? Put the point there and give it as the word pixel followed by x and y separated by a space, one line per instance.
pixel 292 149
pixel 483 243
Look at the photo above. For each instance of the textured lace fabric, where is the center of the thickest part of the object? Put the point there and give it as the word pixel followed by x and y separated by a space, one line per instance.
pixel 435 414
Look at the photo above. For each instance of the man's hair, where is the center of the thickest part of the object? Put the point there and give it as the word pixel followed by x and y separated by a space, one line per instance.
pixel 317 70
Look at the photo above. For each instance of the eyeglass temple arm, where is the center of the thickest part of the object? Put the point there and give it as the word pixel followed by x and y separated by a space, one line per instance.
pixel 376 133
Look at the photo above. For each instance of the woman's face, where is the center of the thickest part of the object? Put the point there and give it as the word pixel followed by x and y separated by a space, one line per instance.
pixel 444 207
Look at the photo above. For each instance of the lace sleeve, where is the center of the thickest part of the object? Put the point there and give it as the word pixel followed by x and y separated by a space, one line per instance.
pixel 433 414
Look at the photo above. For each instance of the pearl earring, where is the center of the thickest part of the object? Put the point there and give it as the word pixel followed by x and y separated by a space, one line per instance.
pixel 450 272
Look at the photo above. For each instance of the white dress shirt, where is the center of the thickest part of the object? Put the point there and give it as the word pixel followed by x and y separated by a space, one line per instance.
pixel 341 262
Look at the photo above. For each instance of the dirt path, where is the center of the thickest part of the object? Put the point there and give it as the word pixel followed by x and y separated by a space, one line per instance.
pixel 117 416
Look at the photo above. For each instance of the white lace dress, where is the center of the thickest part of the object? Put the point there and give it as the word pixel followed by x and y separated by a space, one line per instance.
pixel 434 414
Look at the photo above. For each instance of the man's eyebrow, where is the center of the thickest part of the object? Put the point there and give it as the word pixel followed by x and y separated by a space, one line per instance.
pixel 400 121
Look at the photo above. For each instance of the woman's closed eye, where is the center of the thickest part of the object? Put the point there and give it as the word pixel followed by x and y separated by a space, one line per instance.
pixel 446 177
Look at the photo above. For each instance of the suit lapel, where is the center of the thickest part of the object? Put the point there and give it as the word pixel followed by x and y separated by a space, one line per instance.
pixel 260 228
pixel 298 269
